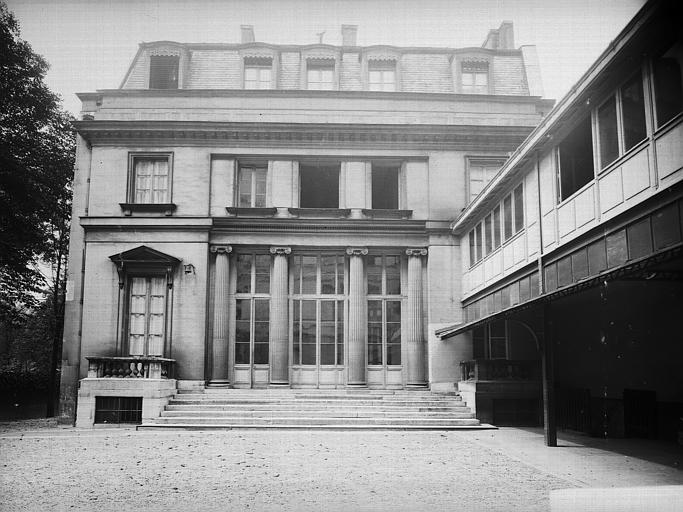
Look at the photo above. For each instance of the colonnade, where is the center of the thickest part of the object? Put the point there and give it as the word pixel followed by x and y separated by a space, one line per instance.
pixel 412 332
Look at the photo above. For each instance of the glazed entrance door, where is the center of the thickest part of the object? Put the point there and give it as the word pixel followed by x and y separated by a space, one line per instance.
pixel 251 342
pixel 318 343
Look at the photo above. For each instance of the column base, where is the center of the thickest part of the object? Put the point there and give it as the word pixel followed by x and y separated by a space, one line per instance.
pixel 218 383
pixel 416 385
pixel 279 385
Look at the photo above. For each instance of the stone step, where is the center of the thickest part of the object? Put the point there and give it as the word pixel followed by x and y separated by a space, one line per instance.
pixel 316 414
pixel 332 426
pixel 305 420
pixel 320 403
pixel 460 407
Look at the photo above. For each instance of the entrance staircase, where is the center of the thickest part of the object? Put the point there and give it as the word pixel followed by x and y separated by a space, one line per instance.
pixel 319 409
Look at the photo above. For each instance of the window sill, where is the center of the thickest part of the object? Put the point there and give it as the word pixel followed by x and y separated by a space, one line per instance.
pixel 320 212
pixel 165 208
pixel 251 212
pixel 387 214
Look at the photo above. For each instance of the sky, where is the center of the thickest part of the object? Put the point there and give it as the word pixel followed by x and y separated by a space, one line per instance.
pixel 90 43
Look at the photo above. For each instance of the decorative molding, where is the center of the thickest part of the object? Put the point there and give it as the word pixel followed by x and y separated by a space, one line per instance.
pixel 274 135
pixel 421 251
pixel 357 251
pixel 221 249
pixel 281 251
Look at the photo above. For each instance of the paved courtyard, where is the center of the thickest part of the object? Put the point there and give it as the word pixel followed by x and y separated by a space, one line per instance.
pixel 57 468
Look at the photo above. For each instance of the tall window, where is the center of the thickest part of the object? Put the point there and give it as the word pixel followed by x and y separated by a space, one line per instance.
pixel 147 308
pixel 384 310
pixel 576 159
pixel 320 75
pixel 258 73
pixel 668 83
pixel 319 186
pixel 474 77
pixel 163 71
pixel 481 172
pixel 252 187
pixel 490 341
pixel 150 179
pixel 382 75
pixel 385 186
pixel 252 308
pixel 318 310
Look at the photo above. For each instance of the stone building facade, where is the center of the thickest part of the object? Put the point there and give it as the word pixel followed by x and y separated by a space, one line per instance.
pixel 254 215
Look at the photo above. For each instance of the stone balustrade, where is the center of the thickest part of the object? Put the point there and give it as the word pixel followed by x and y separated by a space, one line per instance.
pixel 131 367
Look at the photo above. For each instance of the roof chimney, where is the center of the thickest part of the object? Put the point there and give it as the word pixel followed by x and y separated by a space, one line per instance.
pixel 247 34
pixel 501 38
pixel 349 35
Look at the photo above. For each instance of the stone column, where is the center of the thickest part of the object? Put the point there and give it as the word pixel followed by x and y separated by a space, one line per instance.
pixel 219 366
pixel 279 318
pixel 414 334
pixel 357 325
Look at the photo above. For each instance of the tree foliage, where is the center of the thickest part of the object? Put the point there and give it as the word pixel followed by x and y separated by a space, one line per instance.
pixel 36 165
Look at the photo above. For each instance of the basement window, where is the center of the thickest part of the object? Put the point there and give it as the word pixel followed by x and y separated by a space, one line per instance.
pixel 576 159
pixel 319 186
pixel 118 409
pixel 163 71
pixel 385 186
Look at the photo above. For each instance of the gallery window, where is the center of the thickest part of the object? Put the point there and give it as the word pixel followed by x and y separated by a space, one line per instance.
pixel 474 77
pixel 490 341
pixel 258 73
pixel 385 189
pixel 318 309
pixel 576 160
pixel 319 186
pixel 252 308
pixel 150 178
pixel 252 187
pixel 382 75
pixel 668 83
pixel 252 324
pixel 163 71
pixel 617 134
pixel 384 332
pixel 320 75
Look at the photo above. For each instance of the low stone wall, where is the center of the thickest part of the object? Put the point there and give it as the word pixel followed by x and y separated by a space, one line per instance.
pixel 155 394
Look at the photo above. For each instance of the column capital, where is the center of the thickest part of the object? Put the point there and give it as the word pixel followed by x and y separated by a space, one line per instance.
pixel 357 251
pixel 419 251
pixel 281 251
pixel 221 249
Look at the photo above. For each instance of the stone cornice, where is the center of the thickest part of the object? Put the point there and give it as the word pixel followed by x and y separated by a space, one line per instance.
pixel 277 135
pixel 335 226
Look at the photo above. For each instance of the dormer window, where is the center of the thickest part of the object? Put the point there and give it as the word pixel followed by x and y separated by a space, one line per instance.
pixel 382 75
pixel 163 71
pixel 258 73
pixel 320 75
pixel 474 77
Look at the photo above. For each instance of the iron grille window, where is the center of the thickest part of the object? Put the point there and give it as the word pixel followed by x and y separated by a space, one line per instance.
pixel 118 409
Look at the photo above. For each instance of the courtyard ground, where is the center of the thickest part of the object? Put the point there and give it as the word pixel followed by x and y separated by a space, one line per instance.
pixel 49 468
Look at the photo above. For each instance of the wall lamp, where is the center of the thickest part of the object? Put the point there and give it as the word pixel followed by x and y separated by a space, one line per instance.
pixel 188 268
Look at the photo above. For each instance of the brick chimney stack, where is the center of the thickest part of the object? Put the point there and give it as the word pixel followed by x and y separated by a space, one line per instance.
pixel 501 38
pixel 349 35
pixel 247 34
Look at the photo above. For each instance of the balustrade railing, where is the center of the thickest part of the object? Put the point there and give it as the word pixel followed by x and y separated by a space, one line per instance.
pixel 499 369
pixel 131 367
